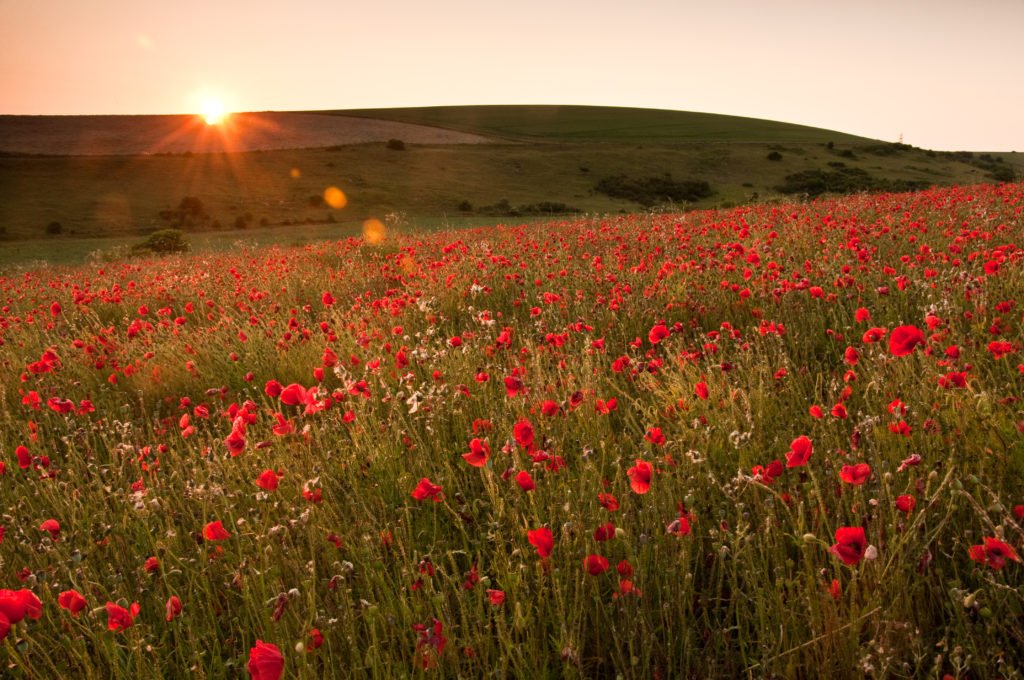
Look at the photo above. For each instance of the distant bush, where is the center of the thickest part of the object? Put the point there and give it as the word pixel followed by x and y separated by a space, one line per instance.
pixel 648 191
pixel 505 209
pixel 396 145
pixel 774 156
pixel 189 213
pixel 547 208
pixel 54 228
pixel 1002 173
pixel 163 242
pixel 886 149
pixel 502 207
pixel 843 180
pixel 465 206
pixel 993 165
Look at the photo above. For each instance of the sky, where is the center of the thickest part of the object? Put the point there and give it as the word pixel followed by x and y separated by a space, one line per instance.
pixel 944 74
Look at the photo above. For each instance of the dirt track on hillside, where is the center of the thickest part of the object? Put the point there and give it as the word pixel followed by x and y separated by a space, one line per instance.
pixel 134 135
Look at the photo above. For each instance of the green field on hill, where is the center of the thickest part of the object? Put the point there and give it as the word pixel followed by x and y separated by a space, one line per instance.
pixel 603 124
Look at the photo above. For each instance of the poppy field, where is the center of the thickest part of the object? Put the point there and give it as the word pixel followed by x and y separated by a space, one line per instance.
pixel 778 440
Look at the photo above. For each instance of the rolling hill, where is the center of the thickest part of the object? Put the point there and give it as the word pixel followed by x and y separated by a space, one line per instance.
pixel 523 162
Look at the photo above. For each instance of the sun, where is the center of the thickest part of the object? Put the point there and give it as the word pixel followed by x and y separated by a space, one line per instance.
pixel 213 111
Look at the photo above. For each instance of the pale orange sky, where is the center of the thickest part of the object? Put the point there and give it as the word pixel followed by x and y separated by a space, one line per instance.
pixel 946 74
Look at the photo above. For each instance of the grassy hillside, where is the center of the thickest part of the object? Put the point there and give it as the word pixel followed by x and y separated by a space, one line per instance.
pixel 603 124
pixel 54 201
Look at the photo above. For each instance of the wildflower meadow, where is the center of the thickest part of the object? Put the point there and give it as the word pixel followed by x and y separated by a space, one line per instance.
pixel 779 440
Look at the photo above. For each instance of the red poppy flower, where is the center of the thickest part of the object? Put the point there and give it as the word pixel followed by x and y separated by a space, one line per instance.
pixel 954 379
pixel 550 408
pixel 71 600
pixel 680 526
pixel 294 395
pixel 273 389
pixel 425 489
pixel 496 597
pixel 479 452
pixel 542 540
pixel 52 526
pixel 904 339
pixel 173 607
pixel 265 661
pixel 430 636
pixel 15 605
pixel 119 618
pixel 906 503
pixel 850 544
pixel 24 457
pixel 523 432
pixel 605 532
pixel 608 501
pixel 215 531
pixel 855 474
pixel 595 565
pixel 514 386
pixel 1000 349
pixel 235 441
pixel 851 356
pixel 993 552
pixel 525 481
pixel 658 333
pixel 655 436
pixel 701 390
pixel 800 451
pixel 872 335
pixel 815 411
pixel 640 476
pixel 768 474
pixel 835 590
pixel 900 428
pixel 268 480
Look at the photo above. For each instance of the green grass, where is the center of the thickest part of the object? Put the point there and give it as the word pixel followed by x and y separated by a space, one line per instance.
pixel 604 124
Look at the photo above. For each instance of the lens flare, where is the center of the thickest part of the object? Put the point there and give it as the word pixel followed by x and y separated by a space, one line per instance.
pixel 295 173
pixel 335 197
pixel 373 231
pixel 213 112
